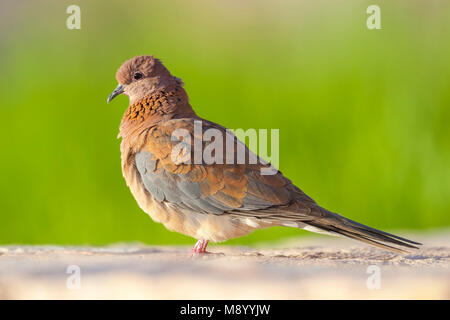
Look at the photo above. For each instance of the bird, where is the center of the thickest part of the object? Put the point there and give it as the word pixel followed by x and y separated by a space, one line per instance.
pixel 211 201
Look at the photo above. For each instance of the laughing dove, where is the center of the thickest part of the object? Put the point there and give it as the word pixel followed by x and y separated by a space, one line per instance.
pixel 209 200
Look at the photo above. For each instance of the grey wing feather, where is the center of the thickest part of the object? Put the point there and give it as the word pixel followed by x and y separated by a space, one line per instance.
pixel 179 190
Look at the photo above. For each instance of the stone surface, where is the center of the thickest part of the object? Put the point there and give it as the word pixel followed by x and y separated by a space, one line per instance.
pixel 307 268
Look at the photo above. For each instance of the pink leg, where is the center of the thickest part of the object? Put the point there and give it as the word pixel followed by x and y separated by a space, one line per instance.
pixel 200 247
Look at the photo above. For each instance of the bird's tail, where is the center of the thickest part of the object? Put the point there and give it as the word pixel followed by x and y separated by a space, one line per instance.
pixel 337 224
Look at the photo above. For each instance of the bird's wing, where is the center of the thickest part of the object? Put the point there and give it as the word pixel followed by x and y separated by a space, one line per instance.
pixel 238 189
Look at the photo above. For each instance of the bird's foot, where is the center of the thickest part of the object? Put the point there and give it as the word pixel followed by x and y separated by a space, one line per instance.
pixel 200 247
pixel 199 250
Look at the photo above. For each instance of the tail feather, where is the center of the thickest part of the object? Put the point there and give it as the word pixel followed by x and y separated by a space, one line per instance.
pixel 337 224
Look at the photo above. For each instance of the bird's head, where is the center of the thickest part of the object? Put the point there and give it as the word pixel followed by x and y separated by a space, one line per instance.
pixel 141 76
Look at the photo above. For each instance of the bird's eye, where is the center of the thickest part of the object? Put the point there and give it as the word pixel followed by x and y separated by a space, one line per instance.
pixel 138 75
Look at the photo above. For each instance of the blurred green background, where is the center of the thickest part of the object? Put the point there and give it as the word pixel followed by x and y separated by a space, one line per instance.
pixel 363 114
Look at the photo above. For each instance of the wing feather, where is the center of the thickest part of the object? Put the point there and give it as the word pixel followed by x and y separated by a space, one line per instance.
pixel 207 188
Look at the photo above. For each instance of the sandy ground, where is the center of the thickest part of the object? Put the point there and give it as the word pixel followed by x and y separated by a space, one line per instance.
pixel 307 268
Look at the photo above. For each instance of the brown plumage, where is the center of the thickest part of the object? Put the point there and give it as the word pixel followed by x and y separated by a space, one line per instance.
pixel 209 201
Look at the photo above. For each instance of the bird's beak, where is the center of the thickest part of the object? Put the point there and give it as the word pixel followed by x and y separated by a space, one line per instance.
pixel 120 88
